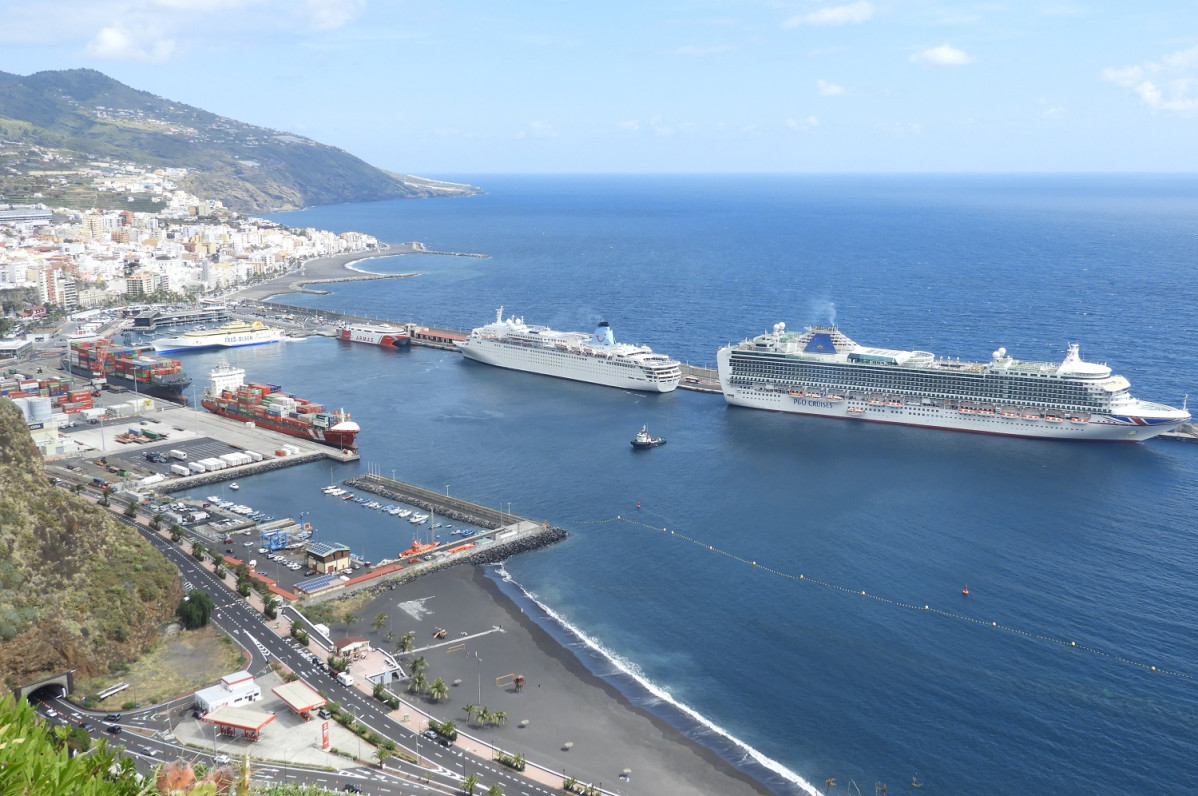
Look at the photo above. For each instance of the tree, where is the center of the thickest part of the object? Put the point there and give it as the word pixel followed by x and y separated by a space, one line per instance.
pixel 495 790
pixel 484 716
pixel 382 754
pixel 196 609
pixel 470 710
pixel 405 642
pixel 104 495
pixel 417 683
pixel 349 618
pixel 380 619
pixel 498 717
pixel 176 533
pixel 156 522
pixel 197 551
pixel 469 783
pixel 418 665
pixel 438 690
pixel 131 509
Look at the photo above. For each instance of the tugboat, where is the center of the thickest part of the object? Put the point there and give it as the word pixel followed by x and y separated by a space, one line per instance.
pixel 643 440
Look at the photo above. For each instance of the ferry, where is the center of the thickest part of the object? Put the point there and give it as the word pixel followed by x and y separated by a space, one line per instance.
pixel 384 336
pixel 822 372
pixel 230 335
pixel 595 359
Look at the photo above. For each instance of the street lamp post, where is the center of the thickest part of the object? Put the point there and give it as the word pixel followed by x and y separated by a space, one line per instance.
pixel 480 676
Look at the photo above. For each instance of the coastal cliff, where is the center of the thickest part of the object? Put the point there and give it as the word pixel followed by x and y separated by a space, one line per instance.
pixel 78 589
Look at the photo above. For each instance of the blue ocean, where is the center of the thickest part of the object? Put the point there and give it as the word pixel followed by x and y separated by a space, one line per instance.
pixel 789 590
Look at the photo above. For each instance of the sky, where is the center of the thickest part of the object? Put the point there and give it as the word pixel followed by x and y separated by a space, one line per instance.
pixel 457 87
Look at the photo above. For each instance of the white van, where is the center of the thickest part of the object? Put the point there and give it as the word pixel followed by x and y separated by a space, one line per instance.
pixel 345 678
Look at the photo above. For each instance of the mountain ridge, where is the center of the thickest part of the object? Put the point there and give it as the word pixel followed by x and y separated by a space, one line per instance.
pixel 247 168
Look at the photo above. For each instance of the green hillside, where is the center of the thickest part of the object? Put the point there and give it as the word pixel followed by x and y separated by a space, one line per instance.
pixel 78 589
pixel 248 168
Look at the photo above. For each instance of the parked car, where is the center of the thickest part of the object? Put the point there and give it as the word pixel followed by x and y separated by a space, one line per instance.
pixel 113 729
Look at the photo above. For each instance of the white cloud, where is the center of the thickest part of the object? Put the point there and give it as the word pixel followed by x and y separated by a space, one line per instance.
pixel 833 15
pixel 120 44
pixel 803 125
pixel 629 125
pixel 1055 112
pixel 538 129
pixel 943 55
pixel 1169 85
pixel 827 89
pixel 902 128
pixel 332 14
pixel 659 127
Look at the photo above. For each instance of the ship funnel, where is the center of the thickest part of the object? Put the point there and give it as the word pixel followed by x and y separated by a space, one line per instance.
pixel 603 335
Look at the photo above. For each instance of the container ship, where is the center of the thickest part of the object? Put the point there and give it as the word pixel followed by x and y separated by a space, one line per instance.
pixel 385 336
pixel 124 366
pixel 230 335
pixel 266 405
pixel 597 359
pixel 822 372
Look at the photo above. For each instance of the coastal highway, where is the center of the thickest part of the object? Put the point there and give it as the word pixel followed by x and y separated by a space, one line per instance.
pixel 445 768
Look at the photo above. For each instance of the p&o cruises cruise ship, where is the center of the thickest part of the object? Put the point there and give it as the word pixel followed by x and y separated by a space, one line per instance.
pixel 822 372
pixel 597 359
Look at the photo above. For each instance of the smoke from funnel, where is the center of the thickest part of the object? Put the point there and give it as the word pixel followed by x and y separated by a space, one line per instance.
pixel 823 312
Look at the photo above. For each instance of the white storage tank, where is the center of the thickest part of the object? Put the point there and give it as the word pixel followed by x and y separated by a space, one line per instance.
pixel 180 469
pixel 196 467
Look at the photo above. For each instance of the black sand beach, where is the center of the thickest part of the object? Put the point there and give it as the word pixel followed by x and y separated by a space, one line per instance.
pixel 320 269
pixel 561 702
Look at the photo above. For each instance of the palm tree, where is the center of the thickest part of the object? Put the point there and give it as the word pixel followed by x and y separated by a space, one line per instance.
pixel 417 683
pixel 495 790
pixel 438 690
pixel 156 521
pixel 405 642
pixel 484 716
pixel 349 618
pixel 382 754
pixel 469 710
pixel 418 665
pixel 469 783
pixel 104 495
pixel 498 717
pixel 380 619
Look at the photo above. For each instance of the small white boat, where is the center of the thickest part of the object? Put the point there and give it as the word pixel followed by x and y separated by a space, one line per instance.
pixel 234 485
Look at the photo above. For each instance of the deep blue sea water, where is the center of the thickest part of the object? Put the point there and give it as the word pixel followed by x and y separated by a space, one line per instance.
pixel 1059 543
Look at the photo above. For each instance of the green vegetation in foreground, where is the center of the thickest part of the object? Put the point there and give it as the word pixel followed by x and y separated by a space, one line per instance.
pixel 78 589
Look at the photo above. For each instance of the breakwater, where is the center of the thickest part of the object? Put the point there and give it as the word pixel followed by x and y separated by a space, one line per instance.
pixel 442 505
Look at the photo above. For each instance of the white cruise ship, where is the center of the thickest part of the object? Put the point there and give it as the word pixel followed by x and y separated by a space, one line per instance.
pixel 822 372
pixel 597 359
pixel 230 335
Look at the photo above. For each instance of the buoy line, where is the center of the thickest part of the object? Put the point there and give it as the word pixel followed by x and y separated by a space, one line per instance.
pixel 801 578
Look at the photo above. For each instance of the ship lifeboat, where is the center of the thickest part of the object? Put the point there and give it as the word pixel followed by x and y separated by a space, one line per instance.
pixel 1078 419
pixel 795 393
pixel 833 397
pixel 856 410
pixel 1054 419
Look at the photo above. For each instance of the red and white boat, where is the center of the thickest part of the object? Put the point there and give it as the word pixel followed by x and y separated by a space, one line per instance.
pixel 385 336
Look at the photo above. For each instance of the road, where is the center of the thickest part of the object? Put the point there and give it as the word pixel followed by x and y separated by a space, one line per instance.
pixel 143 730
